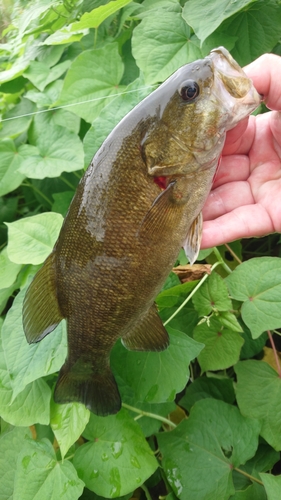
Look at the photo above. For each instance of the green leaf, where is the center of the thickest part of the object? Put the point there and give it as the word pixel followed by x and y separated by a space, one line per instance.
pixel 48 97
pixel 48 478
pixel 156 377
pixel 68 421
pixel 112 114
pixel 259 396
pixel 62 202
pixel 222 346
pixel 58 150
pixel 205 16
pixel 257 282
pixel 212 295
pixel 257 31
pixel 11 444
pixel 252 347
pixel 89 79
pixel 25 362
pixel 169 301
pixel 208 387
pixel 31 240
pixel 11 159
pixel 272 486
pixel 8 270
pixel 118 459
pixel 41 75
pixel 215 438
pixel 65 36
pixel 15 126
pixel 161 44
pixel 229 320
pixel 94 18
pixel 246 489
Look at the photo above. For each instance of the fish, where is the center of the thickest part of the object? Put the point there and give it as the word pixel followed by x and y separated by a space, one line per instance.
pixel 139 202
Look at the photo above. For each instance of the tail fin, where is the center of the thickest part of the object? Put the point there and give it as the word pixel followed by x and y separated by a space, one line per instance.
pixel 97 391
pixel 41 312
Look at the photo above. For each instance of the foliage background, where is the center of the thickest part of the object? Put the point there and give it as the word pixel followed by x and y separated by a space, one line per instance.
pixel 201 420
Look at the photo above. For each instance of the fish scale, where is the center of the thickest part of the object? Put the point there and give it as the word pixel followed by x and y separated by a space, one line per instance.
pixel 138 203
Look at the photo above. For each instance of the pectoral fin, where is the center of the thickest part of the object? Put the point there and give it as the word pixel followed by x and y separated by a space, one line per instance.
pixel 41 312
pixel 148 335
pixel 162 212
pixel 192 242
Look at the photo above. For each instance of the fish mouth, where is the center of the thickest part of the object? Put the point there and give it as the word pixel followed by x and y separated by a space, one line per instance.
pixel 232 86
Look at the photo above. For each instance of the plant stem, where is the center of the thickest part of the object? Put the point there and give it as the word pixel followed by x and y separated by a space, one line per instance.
pixel 191 294
pixel 252 478
pixel 145 489
pixel 277 360
pixel 28 184
pixel 68 183
pixel 233 253
pixel 221 261
pixel 150 415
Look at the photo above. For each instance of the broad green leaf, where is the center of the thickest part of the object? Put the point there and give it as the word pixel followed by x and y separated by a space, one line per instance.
pixel 31 406
pixel 68 421
pixel 41 75
pixel 169 301
pixel 252 347
pixel 32 12
pixel 15 70
pixel 212 295
pixel 205 16
pixel 112 114
pixel 259 396
pixel 94 18
pixel 215 438
pixel 272 486
pixel 48 97
pixel 156 377
pixel 11 444
pixel 8 270
pixel 229 320
pixel 25 362
pixel 49 55
pixel 63 118
pixel 117 460
pixel 13 126
pixel 222 346
pixel 48 478
pixel 208 387
pixel 58 150
pixel 257 282
pixel 246 489
pixel 161 44
pixel 62 202
pixel 89 79
pixel 31 240
pixel 257 30
pixel 65 36
pixel 11 159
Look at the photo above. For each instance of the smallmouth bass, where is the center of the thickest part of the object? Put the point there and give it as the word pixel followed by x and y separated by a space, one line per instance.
pixel 138 203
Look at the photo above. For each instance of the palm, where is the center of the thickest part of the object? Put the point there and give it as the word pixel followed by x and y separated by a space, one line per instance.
pixel 246 196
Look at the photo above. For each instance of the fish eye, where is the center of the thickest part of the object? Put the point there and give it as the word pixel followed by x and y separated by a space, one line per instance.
pixel 189 90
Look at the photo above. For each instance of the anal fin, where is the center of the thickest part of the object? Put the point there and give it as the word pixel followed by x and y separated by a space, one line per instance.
pixel 193 239
pixel 148 335
pixel 82 383
pixel 41 312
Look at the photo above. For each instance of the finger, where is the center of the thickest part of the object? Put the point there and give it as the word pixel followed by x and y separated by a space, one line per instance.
pixel 239 140
pixel 266 75
pixel 227 198
pixel 232 168
pixel 243 222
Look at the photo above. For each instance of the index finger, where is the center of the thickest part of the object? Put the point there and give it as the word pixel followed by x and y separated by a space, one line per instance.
pixel 266 75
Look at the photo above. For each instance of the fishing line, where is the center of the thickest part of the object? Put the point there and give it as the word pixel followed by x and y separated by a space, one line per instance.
pixel 75 104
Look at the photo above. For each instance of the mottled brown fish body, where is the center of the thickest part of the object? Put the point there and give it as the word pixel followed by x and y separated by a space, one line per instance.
pixel 123 231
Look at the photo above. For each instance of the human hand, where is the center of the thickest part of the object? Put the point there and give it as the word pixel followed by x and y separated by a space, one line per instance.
pixel 245 200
